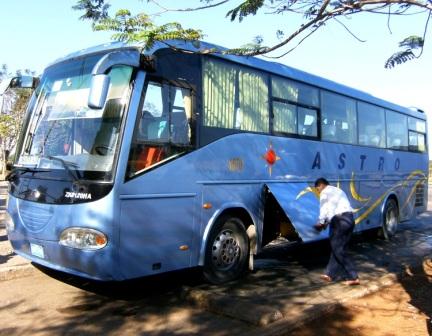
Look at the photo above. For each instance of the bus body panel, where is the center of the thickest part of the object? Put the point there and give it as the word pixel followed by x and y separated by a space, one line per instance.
pixel 41 243
pixel 225 197
pixel 302 210
pixel 158 215
pixel 153 240
pixel 367 175
pixel 156 222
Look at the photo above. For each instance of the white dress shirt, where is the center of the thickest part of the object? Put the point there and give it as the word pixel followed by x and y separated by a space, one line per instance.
pixel 333 201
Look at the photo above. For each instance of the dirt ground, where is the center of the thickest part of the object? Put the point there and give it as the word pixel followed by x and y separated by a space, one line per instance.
pixel 404 308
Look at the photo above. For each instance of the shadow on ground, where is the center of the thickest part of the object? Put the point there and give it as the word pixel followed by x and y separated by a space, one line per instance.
pixel 417 282
pixel 285 279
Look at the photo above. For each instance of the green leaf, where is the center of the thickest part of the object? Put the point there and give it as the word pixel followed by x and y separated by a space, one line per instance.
pixel 246 8
pixel 412 42
pixel 399 58
pixel 94 10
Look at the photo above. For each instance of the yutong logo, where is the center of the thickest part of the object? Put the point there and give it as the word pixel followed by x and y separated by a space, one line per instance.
pixel 78 195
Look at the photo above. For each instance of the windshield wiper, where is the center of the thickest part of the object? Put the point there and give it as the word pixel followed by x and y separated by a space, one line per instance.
pixel 66 165
pixel 18 171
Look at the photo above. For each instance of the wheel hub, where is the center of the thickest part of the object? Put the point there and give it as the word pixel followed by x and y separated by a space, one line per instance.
pixel 391 221
pixel 225 250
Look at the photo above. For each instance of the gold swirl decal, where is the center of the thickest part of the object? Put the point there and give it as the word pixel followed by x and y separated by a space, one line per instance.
pixel 307 190
pixel 386 193
pixel 358 209
pixel 313 190
pixel 354 193
pixel 377 202
pixel 412 175
pixel 371 208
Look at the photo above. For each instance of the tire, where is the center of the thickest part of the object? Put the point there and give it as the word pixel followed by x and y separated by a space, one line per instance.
pixel 390 219
pixel 227 251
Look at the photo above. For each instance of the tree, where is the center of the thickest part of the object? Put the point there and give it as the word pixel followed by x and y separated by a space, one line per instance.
pixel 315 14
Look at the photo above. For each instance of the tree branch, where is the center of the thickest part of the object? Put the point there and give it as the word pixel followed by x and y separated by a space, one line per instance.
pixel 424 34
pixel 292 49
pixel 349 31
pixel 316 13
pixel 323 16
pixel 319 20
pixel 323 7
pixel 415 3
pixel 165 9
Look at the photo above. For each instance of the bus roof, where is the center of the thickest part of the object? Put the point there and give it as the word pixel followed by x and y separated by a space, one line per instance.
pixel 257 63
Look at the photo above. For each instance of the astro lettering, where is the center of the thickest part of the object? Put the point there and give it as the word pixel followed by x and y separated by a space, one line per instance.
pixel 316 164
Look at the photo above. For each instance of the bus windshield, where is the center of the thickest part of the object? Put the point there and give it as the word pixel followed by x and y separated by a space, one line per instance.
pixel 64 133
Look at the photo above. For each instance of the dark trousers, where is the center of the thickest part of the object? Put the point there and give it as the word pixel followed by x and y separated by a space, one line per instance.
pixel 340 265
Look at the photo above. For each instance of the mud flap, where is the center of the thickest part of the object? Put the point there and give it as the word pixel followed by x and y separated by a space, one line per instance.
pixel 301 206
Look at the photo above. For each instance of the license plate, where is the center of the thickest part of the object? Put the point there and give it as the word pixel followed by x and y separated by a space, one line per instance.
pixel 37 250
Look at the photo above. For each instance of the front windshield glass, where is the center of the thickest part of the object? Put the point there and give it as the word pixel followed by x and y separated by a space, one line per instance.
pixel 64 133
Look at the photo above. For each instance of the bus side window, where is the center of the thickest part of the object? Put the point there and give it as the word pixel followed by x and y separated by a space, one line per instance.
pixel 149 131
pixel 145 151
pixel 144 124
pixel 341 115
pixel 157 129
pixel 307 121
pixel 181 116
pixel 329 132
pixel 163 127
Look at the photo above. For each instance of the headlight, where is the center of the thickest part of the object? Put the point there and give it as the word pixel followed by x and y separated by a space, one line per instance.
pixel 82 238
pixel 8 222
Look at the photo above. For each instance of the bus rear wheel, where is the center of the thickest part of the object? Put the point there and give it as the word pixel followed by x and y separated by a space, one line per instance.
pixel 390 219
pixel 227 251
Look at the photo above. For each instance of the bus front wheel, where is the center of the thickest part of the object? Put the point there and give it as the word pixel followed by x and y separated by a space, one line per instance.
pixel 227 251
pixel 390 219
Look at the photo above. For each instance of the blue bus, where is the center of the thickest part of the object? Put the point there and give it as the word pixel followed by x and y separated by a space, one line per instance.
pixel 134 162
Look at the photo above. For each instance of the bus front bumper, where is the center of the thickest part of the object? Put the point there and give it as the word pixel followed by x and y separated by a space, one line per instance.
pixel 92 264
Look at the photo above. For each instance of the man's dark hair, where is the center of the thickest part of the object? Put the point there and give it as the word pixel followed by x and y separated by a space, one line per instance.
pixel 320 181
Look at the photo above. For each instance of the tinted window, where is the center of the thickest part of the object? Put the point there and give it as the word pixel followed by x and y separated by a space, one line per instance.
pixel 397 133
pixel 339 121
pixel 307 122
pixel 285 117
pixel 163 128
pixel 417 142
pixel 295 92
pixel 371 120
pixel 235 97
pixel 417 136
pixel 294 119
pixel 417 125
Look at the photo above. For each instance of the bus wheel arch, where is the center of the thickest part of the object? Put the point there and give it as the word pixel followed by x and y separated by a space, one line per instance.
pixel 390 217
pixel 227 248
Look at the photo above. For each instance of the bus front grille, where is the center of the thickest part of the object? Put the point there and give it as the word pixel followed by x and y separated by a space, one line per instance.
pixel 34 216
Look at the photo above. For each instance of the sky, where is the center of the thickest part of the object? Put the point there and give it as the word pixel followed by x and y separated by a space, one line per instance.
pixel 35 33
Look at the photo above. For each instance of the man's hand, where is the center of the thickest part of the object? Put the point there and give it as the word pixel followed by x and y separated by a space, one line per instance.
pixel 319 226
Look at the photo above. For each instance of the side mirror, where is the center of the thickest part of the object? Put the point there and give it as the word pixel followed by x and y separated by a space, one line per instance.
pixel 98 91
pixel 23 82
pixel 100 81
pixel 19 82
